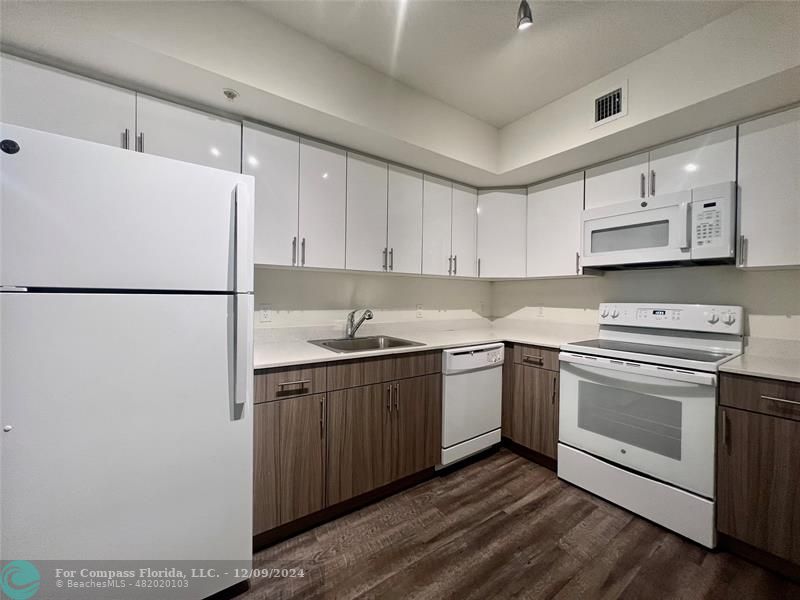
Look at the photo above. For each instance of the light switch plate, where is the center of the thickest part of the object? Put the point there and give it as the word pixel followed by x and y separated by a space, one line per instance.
pixel 264 313
pixel 419 311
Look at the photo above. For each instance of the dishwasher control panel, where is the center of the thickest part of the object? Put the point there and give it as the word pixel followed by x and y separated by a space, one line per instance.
pixel 473 357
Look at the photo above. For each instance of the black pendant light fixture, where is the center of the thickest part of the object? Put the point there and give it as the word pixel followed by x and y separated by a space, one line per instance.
pixel 524 15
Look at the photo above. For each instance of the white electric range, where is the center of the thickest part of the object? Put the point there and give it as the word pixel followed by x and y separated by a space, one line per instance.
pixel 637 422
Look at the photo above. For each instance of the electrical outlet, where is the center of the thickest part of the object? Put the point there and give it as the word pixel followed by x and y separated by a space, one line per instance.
pixel 264 313
pixel 419 311
pixel 540 311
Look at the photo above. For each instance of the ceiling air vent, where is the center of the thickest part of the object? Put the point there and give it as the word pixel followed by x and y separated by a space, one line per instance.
pixel 608 105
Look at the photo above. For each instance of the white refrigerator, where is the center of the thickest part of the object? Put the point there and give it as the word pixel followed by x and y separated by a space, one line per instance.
pixel 126 356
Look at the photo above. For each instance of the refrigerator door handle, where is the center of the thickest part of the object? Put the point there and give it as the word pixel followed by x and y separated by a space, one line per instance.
pixel 243 239
pixel 243 349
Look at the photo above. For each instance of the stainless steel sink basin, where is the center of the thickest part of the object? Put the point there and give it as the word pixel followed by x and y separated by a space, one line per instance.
pixel 364 344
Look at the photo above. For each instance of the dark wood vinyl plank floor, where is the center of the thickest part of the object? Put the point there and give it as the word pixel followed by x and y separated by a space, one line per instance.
pixel 504 527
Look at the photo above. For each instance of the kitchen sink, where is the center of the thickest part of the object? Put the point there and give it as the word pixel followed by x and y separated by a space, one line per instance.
pixel 364 344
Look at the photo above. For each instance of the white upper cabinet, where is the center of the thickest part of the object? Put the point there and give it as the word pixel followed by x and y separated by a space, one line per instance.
pixel 436 226
pixel 323 191
pixel 464 231
pixel 769 190
pixel 182 133
pixel 47 99
pixel 702 160
pixel 273 158
pixel 367 183
pixel 619 181
pixel 501 233
pixel 405 220
pixel 554 227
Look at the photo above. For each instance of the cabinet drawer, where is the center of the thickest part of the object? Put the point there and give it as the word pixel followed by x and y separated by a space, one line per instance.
pixel 536 356
pixel 288 382
pixel 767 396
pixel 419 363
pixel 361 371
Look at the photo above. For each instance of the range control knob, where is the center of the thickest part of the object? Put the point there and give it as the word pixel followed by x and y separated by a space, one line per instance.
pixel 604 312
pixel 614 313
pixel 729 319
pixel 711 316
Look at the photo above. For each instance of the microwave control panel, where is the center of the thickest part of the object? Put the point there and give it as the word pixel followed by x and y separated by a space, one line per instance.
pixel 712 221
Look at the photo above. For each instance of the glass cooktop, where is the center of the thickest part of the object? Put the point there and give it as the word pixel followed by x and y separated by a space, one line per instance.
pixel 705 356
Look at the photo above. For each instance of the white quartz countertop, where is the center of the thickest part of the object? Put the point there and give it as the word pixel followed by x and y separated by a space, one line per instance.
pixel 762 365
pixel 278 353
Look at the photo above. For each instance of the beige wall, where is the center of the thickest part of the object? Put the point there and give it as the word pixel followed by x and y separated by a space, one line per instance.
pixel 323 297
pixel 771 298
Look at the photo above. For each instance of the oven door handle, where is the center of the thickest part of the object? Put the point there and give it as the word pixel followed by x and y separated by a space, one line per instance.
pixel 635 368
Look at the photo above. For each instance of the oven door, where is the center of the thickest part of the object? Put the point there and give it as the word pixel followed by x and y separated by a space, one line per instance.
pixel 647 231
pixel 654 420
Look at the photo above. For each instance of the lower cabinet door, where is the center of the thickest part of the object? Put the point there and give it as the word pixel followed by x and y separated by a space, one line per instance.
pixel 417 416
pixel 758 497
pixel 288 466
pixel 534 409
pixel 358 440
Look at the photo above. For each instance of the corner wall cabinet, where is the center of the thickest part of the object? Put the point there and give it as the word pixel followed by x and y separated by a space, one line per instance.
pixel 501 233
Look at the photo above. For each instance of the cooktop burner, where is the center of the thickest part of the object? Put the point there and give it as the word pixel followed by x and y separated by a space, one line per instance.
pixel 665 351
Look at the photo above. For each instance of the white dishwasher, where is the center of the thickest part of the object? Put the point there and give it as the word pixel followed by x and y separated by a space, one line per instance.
pixel 472 392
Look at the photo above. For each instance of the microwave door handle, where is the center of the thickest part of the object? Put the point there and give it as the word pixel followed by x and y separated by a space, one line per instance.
pixel 683 227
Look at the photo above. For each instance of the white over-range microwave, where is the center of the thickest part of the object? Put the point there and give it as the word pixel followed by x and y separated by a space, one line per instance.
pixel 697 225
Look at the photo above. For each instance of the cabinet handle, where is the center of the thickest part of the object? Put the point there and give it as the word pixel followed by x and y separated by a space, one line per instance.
pixel 652 183
pixel 577 263
pixel 450 265
pixel 725 443
pixel 303 252
pixel 641 187
pixel 782 400
pixel 553 399
pixel 391 259
pixel 389 398
pixel 288 383
pixel 479 267
pixel 140 142
pixel 384 259
pixel 294 250
pixel 537 360
pixel 126 139
pixel 322 417
pixel 455 264
pixel 396 396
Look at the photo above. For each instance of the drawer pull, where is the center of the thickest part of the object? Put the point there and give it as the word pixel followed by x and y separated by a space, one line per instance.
pixel 538 360
pixel 288 383
pixel 782 400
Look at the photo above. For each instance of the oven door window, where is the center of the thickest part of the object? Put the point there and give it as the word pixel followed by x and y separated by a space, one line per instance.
pixel 631 237
pixel 646 421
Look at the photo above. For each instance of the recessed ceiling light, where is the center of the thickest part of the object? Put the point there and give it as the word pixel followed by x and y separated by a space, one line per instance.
pixel 524 15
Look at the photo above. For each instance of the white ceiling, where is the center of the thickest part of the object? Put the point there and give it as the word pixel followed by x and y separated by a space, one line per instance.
pixel 469 54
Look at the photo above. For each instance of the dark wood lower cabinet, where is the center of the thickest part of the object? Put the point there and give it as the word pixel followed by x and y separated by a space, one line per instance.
pixel 758 488
pixel 534 409
pixel 358 424
pixel 417 425
pixel 288 466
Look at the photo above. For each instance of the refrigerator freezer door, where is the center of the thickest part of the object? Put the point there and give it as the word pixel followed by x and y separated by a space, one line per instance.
pixel 77 214
pixel 126 441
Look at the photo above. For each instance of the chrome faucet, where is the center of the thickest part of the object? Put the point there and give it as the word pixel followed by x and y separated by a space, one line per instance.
pixel 353 325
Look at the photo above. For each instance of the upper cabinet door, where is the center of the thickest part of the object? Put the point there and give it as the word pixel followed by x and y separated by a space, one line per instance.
pixel 465 230
pixel 182 133
pixel 619 181
pixel 323 200
pixel 769 190
pixel 367 183
pixel 273 157
pixel 405 220
pixel 436 226
pixel 501 233
pixel 554 227
pixel 701 160
pixel 47 99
